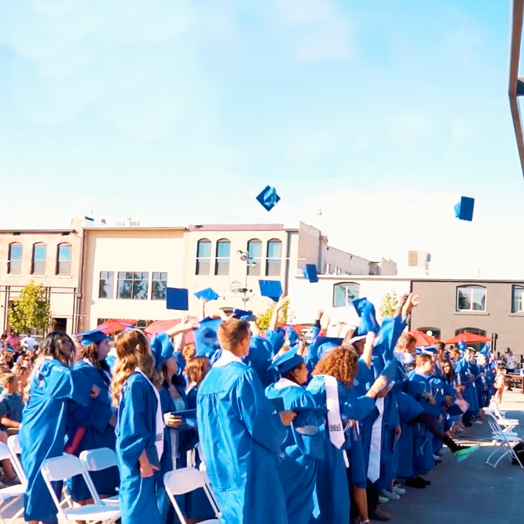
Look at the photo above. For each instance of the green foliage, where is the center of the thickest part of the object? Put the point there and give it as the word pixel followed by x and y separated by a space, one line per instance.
pixel 264 319
pixel 389 304
pixel 31 310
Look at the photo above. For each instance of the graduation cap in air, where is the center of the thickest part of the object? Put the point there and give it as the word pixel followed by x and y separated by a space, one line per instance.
pixel 206 340
pixel 95 336
pixel 177 298
pixel 207 294
pixel 464 209
pixel 368 318
pixel 244 315
pixel 271 289
pixel 390 371
pixel 268 198
pixel 310 272
pixel 287 361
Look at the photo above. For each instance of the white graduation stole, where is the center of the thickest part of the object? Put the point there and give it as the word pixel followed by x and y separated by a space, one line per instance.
pixel 376 443
pixel 336 430
pixel 159 425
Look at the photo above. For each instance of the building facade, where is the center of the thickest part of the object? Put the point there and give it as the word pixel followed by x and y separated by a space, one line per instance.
pixel 493 308
pixel 51 258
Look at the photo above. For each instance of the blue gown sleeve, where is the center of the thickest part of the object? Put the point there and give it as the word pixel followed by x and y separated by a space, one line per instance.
pixel 356 408
pixel 276 339
pixel 310 444
pixel 66 383
pixel 136 436
pixel 258 414
pixel 388 336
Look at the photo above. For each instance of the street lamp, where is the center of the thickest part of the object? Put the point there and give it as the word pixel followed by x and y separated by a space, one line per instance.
pixel 244 257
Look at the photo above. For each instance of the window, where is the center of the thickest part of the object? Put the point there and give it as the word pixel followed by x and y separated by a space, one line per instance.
pixel 471 298
pixel 14 266
pixel 159 284
pixel 475 331
pixel 133 285
pixel 63 260
pixel 431 331
pixel 223 253
pixel 344 293
pixel 39 257
pixel 254 253
pixel 274 255
pixel 203 263
pixel 107 285
pixel 517 299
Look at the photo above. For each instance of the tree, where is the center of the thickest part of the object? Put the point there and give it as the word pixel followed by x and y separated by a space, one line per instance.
pixel 389 304
pixel 264 319
pixel 31 310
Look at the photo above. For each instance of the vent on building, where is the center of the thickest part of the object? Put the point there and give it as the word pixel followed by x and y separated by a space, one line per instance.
pixel 235 286
pixel 413 259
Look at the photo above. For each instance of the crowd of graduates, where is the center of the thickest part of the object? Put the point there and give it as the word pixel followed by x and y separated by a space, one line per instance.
pixel 286 431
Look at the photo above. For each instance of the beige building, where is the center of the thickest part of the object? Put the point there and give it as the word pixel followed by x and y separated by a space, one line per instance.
pixel 127 268
pixel 48 257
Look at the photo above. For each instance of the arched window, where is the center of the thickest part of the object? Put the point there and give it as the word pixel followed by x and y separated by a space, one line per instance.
pixel 517 299
pixel 223 252
pixel 203 263
pixel 254 253
pixel 475 331
pixel 431 331
pixel 39 258
pixel 344 293
pixel 471 298
pixel 63 260
pixel 14 265
pixel 274 258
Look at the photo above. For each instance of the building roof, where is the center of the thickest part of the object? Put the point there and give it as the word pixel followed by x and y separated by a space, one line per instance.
pixel 37 231
pixel 239 227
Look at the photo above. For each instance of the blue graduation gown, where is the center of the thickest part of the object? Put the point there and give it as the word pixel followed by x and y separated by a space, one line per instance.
pixel 136 431
pixel 259 358
pixel 298 470
pixel 467 373
pixel 241 437
pixel 408 409
pixel 42 434
pixel 99 433
pixel 332 491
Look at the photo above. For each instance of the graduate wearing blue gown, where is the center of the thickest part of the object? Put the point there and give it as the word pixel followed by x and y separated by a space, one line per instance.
pixel 241 435
pixel 332 502
pixel 139 430
pixel 98 419
pixel 304 443
pixel 43 430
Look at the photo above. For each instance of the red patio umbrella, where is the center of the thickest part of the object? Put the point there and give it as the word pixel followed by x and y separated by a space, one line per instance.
pixel 423 339
pixel 161 326
pixel 114 326
pixel 467 338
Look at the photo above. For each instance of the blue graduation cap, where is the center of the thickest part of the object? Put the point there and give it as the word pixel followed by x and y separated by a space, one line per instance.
pixel 287 361
pixel 207 294
pixel 464 209
pixel 161 348
pixel 177 298
pixel 321 347
pixel 462 345
pixel 368 317
pixel 244 315
pixel 390 372
pixel 95 336
pixel 429 350
pixel 292 336
pixel 310 272
pixel 271 289
pixel 268 198
pixel 206 340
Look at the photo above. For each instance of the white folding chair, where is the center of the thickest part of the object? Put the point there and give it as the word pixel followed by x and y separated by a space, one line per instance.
pixel 13 442
pixel 186 480
pixel 64 468
pixel 503 443
pixel 99 460
pixel 507 424
pixel 11 493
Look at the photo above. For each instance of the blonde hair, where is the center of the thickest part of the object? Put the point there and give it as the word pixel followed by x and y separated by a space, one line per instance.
pixel 133 351
pixel 6 379
pixel 231 332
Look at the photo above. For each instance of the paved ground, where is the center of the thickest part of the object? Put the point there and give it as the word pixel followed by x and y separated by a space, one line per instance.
pixel 470 492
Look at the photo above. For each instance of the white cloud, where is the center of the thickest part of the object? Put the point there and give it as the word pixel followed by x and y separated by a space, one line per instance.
pixel 324 32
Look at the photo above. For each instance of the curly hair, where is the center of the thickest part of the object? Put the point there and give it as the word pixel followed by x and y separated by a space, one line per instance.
pixel 133 351
pixel 341 363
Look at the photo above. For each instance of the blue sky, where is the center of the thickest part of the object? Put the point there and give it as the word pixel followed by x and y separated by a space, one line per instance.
pixel 173 112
